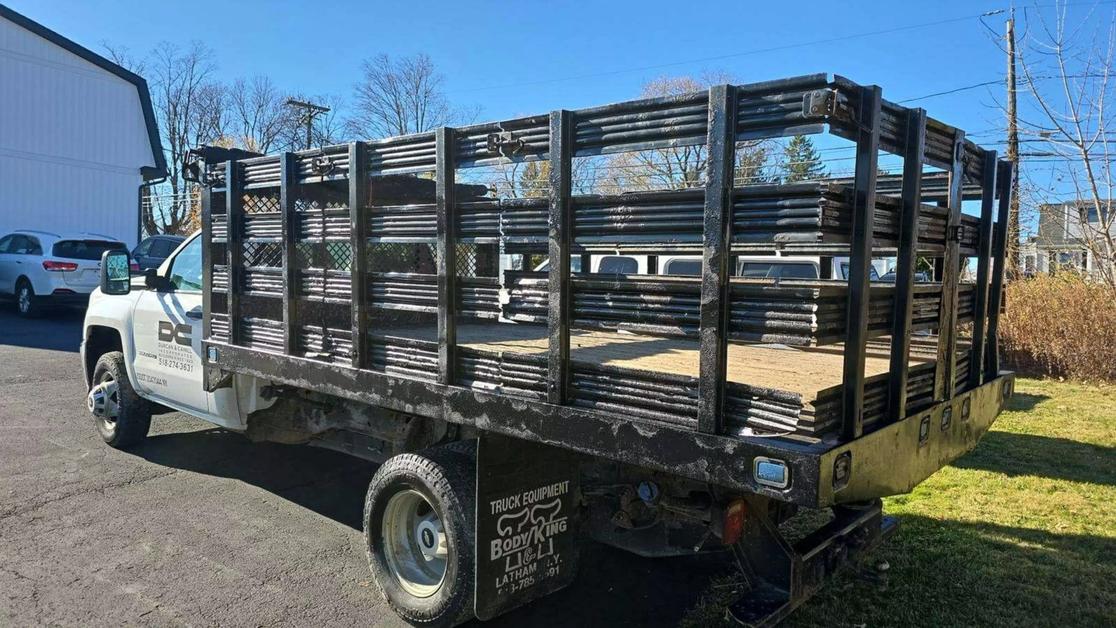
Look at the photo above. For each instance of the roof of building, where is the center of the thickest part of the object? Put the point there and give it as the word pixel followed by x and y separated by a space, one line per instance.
pixel 148 172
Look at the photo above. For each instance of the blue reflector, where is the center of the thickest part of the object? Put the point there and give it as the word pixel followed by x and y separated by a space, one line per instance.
pixel 771 472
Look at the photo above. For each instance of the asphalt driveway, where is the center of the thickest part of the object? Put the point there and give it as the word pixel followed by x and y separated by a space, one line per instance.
pixel 199 526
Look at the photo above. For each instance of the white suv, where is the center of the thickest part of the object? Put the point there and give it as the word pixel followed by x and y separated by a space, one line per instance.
pixel 38 268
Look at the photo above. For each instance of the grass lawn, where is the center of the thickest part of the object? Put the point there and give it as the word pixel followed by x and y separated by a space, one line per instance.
pixel 1021 532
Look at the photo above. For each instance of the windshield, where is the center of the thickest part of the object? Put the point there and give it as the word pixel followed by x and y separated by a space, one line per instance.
pixel 85 249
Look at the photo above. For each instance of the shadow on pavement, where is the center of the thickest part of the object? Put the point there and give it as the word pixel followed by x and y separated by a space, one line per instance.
pixel 613 587
pixel 56 330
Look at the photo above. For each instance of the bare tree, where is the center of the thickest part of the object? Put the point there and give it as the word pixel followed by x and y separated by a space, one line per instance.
pixel 190 108
pixel 123 57
pixel 261 119
pixel 677 167
pixel 397 96
pixel 1068 75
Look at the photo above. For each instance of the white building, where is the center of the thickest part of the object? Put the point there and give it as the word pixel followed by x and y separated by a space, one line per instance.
pixel 1063 234
pixel 77 135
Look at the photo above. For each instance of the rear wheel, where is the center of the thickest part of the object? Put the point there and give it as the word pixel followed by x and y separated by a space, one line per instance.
pixel 26 304
pixel 122 417
pixel 419 524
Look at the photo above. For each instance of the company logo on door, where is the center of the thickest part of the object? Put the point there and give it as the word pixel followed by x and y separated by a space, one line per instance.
pixel 170 332
pixel 175 347
pixel 526 532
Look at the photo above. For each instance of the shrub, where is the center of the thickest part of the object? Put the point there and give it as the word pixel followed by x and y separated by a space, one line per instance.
pixel 1061 325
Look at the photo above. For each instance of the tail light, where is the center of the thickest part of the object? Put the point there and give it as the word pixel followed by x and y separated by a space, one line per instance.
pixel 733 527
pixel 56 266
pixel 134 267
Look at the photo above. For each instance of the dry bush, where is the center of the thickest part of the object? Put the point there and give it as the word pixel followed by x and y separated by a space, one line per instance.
pixel 1060 325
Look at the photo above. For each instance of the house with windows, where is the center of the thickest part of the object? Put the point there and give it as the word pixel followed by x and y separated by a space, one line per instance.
pixel 1061 242
pixel 77 136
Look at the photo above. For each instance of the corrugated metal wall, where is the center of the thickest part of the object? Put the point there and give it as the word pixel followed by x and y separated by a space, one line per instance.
pixel 72 141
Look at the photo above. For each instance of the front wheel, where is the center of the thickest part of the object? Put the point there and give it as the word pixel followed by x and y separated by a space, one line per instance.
pixel 122 416
pixel 419 526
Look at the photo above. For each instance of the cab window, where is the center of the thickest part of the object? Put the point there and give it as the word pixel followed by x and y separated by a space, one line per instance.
pixel 689 267
pixel 778 270
pixel 186 269
pixel 162 248
pixel 618 265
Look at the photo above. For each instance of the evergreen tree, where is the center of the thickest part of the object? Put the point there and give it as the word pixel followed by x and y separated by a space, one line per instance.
pixel 803 162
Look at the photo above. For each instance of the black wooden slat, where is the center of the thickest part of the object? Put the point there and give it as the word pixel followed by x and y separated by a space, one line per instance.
pixel 946 368
pixel 860 261
pixel 1004 177
pixel 207 261
pixel 288 173
pixel 358 210
pixel 447 254
pixel 913 154
pixel 714 309
pixel 984 253
pixel 234 211
pixel 560 223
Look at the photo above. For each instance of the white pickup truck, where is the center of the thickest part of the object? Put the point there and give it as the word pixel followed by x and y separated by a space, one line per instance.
pixel 142 354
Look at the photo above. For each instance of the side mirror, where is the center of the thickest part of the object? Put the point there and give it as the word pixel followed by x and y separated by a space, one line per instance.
pixel 116 273
pixel 152 280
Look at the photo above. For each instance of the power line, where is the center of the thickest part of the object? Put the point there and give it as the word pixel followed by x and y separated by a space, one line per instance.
pixel 886 31
pixel 952 91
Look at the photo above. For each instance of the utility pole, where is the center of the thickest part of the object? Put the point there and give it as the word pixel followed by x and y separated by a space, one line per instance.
pixel 309 112
pixel 1012 244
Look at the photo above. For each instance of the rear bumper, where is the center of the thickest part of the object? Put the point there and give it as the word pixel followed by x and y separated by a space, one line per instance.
pixel 898 457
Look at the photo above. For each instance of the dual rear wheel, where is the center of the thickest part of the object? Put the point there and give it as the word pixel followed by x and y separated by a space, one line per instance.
pixel 419 518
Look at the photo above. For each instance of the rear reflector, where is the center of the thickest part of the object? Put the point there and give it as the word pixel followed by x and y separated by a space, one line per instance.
pixel 59 266
pixel 735 513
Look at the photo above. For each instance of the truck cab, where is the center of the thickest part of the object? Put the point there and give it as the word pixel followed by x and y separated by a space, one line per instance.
pixel 156 330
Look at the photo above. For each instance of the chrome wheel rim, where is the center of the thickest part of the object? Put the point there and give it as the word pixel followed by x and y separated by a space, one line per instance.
pixel 414 543
pixel 104 401
pixel 24 299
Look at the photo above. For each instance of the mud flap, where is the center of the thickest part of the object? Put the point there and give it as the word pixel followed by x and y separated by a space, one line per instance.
pixel 526 522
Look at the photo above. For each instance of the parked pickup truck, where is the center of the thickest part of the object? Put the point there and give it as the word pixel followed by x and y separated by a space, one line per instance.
pixel 375 299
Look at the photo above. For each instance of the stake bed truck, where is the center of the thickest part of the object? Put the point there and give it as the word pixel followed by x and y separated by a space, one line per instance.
pixel 388 299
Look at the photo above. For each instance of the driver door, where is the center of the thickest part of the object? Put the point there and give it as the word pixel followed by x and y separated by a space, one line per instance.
pixel 168 335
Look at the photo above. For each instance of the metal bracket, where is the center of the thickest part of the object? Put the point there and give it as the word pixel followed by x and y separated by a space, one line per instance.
pixel 954 233
pixel 322 165
pixel 822 103
pixel 504 143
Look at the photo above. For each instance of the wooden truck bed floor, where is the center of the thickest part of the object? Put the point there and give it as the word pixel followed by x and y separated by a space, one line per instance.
pixel 795 370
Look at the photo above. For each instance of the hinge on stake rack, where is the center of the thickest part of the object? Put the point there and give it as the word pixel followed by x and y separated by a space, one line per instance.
pixel 954 234
pixel 822 103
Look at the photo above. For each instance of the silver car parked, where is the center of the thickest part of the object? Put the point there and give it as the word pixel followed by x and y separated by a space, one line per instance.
pixel 40 268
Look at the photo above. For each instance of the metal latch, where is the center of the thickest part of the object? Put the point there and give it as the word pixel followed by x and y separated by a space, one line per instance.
pixel 953 234
pixel 505 143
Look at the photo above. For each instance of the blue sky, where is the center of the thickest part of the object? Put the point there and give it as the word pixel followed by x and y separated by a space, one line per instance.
pixel 503 57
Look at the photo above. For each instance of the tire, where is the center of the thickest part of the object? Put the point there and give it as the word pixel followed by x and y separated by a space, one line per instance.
pixel 27 304
pixel 133 413
pixel 397 534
